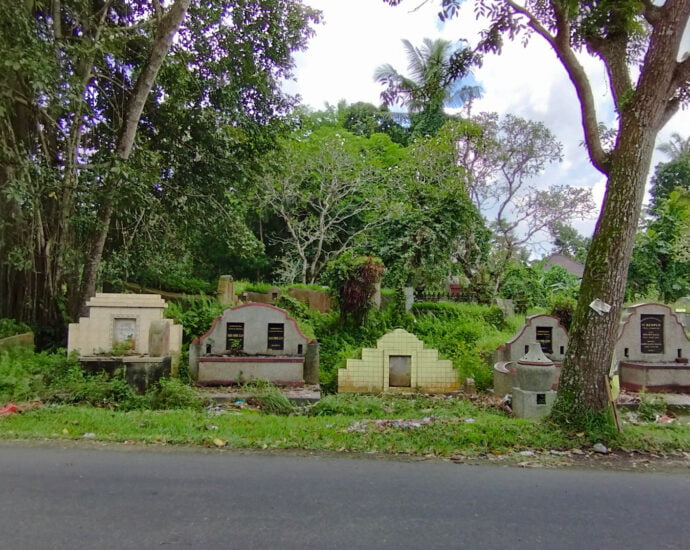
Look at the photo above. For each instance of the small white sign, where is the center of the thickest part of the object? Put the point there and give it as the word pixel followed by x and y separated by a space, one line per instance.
pixel 600 307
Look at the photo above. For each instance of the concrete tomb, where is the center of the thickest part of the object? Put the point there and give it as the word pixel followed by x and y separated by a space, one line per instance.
pixel 127 330
pixel 315 299
pixel 652 350
pixel 533 394
pixel 399 363
pixel 548 331
pixel 683 311
pixel 226 291
pixel 254 341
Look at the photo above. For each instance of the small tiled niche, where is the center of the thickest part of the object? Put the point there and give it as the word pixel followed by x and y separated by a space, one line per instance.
pixel 398 363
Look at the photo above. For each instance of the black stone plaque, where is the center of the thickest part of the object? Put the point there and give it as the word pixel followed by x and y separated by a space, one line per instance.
pixel 545 338
pixel 235 336
pixel 652 333
pixel 276 336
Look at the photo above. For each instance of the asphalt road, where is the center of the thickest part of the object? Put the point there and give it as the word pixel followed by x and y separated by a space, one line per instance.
pixel 112 498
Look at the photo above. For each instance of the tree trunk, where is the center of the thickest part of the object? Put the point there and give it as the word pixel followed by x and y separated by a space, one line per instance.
pixel 592 336
pixel 159 49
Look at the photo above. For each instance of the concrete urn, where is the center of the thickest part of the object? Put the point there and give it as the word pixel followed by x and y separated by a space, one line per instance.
pixel 535 371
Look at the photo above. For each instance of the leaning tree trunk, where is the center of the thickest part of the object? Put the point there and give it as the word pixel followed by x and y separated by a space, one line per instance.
pixel 159 50
pixel 582 392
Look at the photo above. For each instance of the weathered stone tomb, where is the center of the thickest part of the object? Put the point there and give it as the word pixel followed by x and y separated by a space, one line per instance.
pixel 127 330
pixel 399 363
pixel 548 331
pixel 652 350
pixel 254 341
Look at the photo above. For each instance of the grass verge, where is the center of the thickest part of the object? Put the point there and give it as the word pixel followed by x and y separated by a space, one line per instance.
pixel 411 426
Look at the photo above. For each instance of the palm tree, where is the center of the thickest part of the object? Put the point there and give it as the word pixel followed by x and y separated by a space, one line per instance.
pixel 675 147
pixel 436 71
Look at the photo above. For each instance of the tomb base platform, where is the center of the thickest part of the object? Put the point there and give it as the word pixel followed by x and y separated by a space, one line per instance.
pixel 532 404
pixel 226 371
pixel 654 377
pixel 140 372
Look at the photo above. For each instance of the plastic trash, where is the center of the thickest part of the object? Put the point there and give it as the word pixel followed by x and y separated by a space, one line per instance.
pixel 8 409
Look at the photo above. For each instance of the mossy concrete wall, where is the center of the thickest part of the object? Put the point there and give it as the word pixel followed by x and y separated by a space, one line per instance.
pixel 26 339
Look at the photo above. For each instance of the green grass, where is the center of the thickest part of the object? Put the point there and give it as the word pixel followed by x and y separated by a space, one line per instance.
pixel 448 434
pixel 337 423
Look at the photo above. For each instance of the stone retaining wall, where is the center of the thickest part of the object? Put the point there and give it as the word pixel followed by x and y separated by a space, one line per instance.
pixel 26 339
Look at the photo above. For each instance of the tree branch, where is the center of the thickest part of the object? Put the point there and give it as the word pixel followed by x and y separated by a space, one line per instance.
pixel 560 43
pixel 651 12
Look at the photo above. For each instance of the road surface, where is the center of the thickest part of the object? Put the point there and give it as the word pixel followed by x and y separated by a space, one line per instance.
pixel 53 497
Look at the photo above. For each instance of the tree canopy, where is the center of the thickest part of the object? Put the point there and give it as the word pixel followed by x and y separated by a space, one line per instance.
pixel 639 45
pixel 101 110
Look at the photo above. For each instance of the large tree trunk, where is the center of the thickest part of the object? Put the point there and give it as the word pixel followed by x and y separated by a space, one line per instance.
pixel 582 390
pixel 159 49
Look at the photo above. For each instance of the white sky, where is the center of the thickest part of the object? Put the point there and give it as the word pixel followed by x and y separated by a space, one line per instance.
pixel 359 35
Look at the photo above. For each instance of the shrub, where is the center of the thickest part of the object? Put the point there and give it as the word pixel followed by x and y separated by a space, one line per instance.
pixel 171 393
pixel 353 282
pixel 10 327
pixel 270 399
pixel 261 288
pixel 25 375
pixel 563 307
pixel 195 316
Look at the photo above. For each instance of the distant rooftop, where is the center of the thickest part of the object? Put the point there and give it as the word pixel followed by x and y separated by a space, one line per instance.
pixel 567 263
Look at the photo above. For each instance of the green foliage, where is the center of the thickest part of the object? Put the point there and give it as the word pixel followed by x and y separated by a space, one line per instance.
pixel 437 69
pixel 122 348
pixel 10 327
pixel 261 288
pixel 348 405
pixel 170 281
pixel 196 316
pixel 171 393
pixel 57 378
pixel 466 334
pixel 182 199
pixel 491 315
pixel 531 286
pixel 650 407
pixel 365 119
pixel 353 280
pixel 563 307
pixel 568 241
pixel 325 193
pixel 320 288
pixel 302 314
pixel 571 414
pixel 660 263
pixel 269 398
pixel 430 217
pixel 60 379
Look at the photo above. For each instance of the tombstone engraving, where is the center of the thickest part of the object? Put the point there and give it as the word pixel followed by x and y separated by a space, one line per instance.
pixel 547 330
pixel 652 350
pixel 651 333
